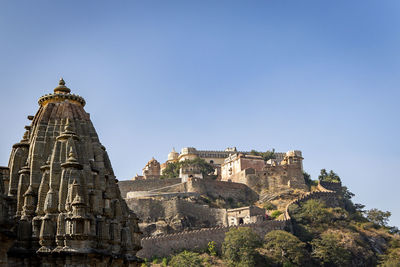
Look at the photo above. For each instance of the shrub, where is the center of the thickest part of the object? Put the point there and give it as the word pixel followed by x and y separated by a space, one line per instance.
pixel 239 247
pixel 211 248
pixel 269 206
pixel 187 259
pixel 275 214
pixel 164 262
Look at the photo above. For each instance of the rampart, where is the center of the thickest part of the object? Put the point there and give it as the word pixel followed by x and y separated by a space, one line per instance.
pixel 330 197
pixel 145 185
pixel 197 240
pixel 178 214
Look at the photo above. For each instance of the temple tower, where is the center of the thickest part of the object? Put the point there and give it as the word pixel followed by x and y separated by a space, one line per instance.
pixel 68 207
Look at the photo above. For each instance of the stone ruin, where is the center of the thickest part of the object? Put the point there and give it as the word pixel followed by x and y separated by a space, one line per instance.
pixel 59 197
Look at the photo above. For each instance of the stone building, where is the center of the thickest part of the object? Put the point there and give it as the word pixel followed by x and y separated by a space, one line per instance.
pixel 190 171
pixel 272 175
pixel 152 170
pixel 245 215
pixel 235 163
pixel 68 208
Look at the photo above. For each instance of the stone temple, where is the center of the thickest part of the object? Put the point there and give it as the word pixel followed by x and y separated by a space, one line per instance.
pixel 60 204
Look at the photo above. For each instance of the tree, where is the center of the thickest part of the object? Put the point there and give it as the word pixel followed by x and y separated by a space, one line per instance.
pixel 205 168
pixel 267 155
pixel 171 170
pixel 307 179
pixel 239 247
pixel 187 259
pixel 283 248
pixel 329 250
pixel 329 177
pixel 312 211
pixel 378 217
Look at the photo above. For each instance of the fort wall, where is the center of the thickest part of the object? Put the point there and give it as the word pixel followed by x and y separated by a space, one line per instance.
pixel 145 185
pixel 219 189
pixel 198 240
pixel 177 214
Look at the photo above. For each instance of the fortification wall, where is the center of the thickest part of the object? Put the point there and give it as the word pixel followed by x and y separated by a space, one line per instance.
pixel 145 185
pixel 219 189
pixel 197 240
pixel 161 215
pixel 337 187
pixel 330 197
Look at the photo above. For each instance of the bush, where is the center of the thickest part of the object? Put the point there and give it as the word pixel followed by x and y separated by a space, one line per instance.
pixel 275 214
pixel 187 259
pixel 283 247
pixel 269 206
pixel 211 248
pixel 239 247
pixel 164 262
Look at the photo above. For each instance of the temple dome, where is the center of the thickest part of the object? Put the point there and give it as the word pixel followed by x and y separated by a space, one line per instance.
pixel 67 198
pixel 173 155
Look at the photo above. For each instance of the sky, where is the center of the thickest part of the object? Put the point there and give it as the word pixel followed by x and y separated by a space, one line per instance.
pixel 317 76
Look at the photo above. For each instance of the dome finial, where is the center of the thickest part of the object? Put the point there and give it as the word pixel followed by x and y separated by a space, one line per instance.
pixel 61 88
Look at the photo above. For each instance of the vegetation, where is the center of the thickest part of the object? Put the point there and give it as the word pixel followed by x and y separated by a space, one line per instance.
pixel 267 155
pixel 329 250
pixel 281 247
pixel 378 217
pixel 211 248
pixel 269 206
pixel 239 247
pixel 275 214
pixel 328 177
pixel 187 259
pixel 309 182
pixel 172 169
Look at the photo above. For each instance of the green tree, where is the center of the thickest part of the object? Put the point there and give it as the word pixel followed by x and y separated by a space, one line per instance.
pixel 267 155
pixel 330 251
pixel 312 211
pixel 205 168
pixel 187 259
pixel 307 179
pixel 282 248
pixel 378 217
pixel 171 170
pixel 239 247
pixel 329 177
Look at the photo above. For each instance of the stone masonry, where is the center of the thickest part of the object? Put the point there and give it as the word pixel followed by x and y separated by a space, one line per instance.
pixel 68 208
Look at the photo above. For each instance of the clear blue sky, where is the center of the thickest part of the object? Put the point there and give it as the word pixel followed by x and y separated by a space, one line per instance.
pixel 319 76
